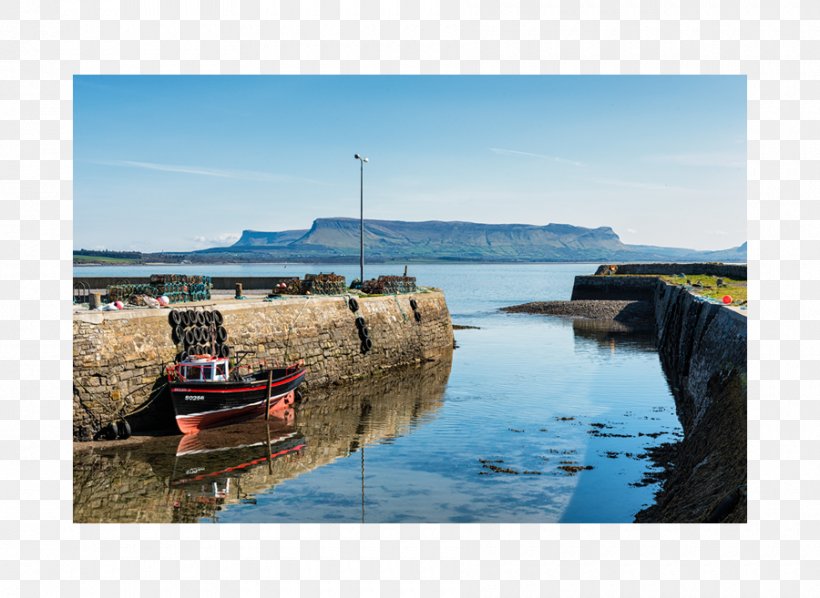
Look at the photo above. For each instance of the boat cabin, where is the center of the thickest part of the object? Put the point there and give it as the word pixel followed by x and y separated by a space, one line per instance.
pixel 204 369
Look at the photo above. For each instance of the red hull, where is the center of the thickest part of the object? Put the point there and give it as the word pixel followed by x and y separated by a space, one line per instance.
pixel 189 424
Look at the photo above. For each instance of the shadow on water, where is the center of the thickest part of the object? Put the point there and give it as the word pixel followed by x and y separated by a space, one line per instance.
pixel 612 335
pixel 192 478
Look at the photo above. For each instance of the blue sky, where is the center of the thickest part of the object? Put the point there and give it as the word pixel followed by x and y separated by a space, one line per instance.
pixel 186 162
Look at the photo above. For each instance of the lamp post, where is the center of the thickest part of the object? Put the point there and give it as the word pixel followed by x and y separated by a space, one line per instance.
pixel 362 162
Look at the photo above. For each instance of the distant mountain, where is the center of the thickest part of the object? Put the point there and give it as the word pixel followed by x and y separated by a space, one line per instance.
pixel 337 239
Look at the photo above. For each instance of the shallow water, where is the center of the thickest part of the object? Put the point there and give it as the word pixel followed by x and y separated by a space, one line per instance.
pixel 536 419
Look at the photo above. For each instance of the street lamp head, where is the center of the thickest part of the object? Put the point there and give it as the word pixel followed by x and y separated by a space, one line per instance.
pixel 364 160
pixel 357 157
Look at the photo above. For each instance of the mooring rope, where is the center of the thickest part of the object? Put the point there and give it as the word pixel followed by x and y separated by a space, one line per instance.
pixel 292 324
pixel 403 315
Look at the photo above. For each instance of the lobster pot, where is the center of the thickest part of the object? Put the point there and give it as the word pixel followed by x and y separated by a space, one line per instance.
pixel 289 287
pixel 179 288
pixel 390 285
pixel 324 284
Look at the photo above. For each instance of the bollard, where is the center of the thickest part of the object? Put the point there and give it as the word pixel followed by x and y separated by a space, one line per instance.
pixel 94 300
pixel 238 290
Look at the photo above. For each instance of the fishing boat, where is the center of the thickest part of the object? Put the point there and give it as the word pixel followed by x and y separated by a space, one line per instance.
pixel 206 392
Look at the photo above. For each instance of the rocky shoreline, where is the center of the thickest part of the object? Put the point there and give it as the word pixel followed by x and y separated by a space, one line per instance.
pixel 631 315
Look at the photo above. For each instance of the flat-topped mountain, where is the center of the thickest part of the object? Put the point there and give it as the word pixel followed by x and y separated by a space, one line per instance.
pixel 337 239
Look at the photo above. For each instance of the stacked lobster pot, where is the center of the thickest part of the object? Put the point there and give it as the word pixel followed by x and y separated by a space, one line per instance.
pixel 324 284
pixel 313 284
pixel 182 288
pixel 131 293
pixel 292 286
pixel 198 332
pixel 390 285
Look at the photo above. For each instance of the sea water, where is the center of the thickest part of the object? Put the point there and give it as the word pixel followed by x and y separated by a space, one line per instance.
pixel 541 419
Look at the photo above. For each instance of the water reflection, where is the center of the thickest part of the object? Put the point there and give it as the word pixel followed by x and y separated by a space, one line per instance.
pixel 611 336
pixel 193 478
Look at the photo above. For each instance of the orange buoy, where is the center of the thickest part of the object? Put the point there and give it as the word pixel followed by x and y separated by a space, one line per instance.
pixel 727 299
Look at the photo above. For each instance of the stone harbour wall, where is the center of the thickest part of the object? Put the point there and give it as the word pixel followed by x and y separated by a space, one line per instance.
pixel 734 271
pixel 703 349
pixel 614 288
pixel 120 357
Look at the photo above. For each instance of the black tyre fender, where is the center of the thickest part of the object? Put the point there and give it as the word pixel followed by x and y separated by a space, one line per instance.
pixel 174 318
pixel 224 351
pixel 367 344
pixel 123 429
pixel 353 305
pixel 187 317
pixel 414 304
pixel 110 431
pixel 360 323
pixel 190 336
pixel 218 319
pixel 417 315
pixel 364 333
pixel 221 334
pixel 200 318
pixel 209 317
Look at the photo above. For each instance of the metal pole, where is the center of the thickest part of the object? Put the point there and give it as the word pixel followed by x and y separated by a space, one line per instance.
pixel 361 221
pixel 267 394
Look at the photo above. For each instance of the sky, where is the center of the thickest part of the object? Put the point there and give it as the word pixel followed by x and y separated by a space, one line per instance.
pixel 169 163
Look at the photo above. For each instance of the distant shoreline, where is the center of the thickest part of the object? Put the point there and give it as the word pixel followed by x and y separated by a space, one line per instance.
pixel 373 263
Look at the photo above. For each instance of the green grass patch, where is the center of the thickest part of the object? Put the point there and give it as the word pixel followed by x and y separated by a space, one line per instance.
pixel 706 286
pixel 98 259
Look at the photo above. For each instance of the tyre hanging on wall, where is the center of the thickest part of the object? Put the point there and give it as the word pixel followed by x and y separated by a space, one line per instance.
pixel 123 429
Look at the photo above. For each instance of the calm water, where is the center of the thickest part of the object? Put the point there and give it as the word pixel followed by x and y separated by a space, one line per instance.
pixel 496 435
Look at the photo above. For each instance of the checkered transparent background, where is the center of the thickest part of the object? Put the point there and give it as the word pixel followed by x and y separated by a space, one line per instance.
pixel 43 44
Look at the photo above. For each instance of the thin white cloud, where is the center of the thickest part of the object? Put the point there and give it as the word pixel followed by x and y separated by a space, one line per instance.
pixel 640 185
pixel 701 159
pixel 509 152
pixel 248 175
pixel 220 239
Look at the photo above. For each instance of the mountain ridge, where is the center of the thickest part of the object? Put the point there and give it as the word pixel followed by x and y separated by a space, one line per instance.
pixel 436 240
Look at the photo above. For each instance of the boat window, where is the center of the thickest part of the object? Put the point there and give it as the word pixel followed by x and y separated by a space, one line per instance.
pixel 220 369
pixel 207 372
pixel 191 372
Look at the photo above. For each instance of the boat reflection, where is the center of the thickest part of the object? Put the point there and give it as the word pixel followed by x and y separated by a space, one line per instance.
pixel 209 466
pixel 192 478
